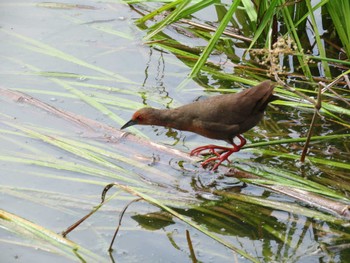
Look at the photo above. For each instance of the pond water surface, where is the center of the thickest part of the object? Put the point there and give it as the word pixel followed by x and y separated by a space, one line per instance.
pixel 89 58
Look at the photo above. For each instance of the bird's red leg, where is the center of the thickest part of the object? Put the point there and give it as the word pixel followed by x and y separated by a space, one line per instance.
pixel 223 156
pixel 243 141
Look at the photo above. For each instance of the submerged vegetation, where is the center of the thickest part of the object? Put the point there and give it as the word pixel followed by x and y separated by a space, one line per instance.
pixel 286 198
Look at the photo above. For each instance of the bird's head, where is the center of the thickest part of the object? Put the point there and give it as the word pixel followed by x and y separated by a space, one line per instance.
pixel 144 116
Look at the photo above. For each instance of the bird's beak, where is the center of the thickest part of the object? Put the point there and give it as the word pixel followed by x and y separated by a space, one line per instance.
pixel 129 123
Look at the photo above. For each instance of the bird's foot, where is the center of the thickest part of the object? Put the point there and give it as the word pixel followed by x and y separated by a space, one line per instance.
pixel 225 152
pixel 218 159
pixel 242 141
pixel 212 149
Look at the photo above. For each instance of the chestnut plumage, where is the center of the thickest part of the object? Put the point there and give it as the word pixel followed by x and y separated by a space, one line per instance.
pixel 221 117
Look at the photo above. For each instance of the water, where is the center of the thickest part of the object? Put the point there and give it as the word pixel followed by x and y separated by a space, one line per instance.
pixel 89 59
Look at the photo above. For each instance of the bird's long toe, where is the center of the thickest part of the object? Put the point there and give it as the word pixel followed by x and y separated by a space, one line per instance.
pixel 221 153
pixel 218 159
pixel 210 160
pixel 211 148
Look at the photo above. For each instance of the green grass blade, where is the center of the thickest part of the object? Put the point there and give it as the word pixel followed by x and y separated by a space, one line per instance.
pixel 43 48
pixel 168 20
pixel 339 12
pixel 163 8
pixel 321 48
pixel 186 220
pixel 209 48
pixel 54 242
pixel 264 23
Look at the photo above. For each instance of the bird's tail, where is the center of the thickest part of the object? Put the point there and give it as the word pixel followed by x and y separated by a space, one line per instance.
pixel 266 97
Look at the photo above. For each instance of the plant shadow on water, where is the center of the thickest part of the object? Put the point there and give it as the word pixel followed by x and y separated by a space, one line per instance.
pixel 74 71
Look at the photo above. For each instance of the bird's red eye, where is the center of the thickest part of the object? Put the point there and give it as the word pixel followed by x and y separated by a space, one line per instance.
pixel 139 118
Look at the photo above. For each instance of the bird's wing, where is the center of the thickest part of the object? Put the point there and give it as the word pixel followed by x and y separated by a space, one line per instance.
pixel 225 109
pixel 215 130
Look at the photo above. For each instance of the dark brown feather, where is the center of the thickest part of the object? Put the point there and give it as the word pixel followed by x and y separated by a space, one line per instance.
pixel 220 117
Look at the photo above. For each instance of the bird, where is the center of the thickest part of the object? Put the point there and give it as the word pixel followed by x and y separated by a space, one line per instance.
pixel 221 117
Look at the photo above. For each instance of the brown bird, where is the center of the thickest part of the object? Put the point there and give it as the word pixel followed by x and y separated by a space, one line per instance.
pixel 221 117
